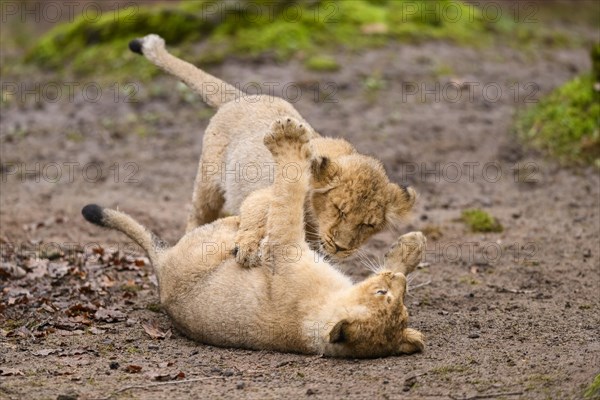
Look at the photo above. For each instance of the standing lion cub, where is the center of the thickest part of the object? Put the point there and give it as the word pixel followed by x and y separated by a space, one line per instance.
pixel 292 301
pixel 351 197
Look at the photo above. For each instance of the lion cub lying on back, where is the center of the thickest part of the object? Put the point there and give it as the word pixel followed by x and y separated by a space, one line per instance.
pixel 292 302
pixel 351 197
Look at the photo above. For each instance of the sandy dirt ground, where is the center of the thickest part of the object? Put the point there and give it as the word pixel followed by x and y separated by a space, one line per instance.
pixel 506 315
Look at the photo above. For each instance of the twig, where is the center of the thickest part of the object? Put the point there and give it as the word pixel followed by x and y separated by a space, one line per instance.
pixel 503 289
pixel 148 385
pixel 420 285
pixel 486 396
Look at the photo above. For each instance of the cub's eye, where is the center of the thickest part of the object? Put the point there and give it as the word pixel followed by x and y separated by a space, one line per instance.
pixel 381 291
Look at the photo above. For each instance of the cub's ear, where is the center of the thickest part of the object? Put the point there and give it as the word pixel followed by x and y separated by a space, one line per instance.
pixel 339 333
pixel 400 201
pixel 323 171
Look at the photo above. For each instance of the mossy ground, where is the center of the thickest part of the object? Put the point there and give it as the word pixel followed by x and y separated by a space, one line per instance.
pixel 565 124
pixel 309 30
pixel 593 391
pixel 480 221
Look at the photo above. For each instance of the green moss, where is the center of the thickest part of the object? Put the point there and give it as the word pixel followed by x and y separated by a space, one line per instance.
pixel 154 307
pixel 93 46
pixel 283 28
pixel 322 63
pixel 595 53
pixel 565 124
pixel 480 221
pixel 593 391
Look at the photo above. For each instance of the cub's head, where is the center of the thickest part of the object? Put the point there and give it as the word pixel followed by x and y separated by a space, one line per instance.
pixel 353 198
pixel 373 320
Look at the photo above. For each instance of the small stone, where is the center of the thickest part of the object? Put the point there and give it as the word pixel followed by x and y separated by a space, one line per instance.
pixel 587 253
pixel 310 392
pixel 473 335
pixel 516 215
pixel 153 347
pixel 443 312
pixel 409 383
pixel 227 372
pixel 240 385
pixel 113 365
pixel 385 382
pixel 67 396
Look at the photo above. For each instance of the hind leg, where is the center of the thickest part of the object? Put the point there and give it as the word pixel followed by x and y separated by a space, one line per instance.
pixel 207 199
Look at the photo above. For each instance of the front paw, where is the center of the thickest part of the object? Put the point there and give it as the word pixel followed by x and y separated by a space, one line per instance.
pixel 248 254
pixel 412 341
pixel 288 140
pixel 406 253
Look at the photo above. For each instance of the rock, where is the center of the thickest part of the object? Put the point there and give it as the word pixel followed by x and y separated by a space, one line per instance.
pixel 113 365
pixel 240 385
pixel 473 335
pixel 68 396
pixel 409 383
pixel 310 392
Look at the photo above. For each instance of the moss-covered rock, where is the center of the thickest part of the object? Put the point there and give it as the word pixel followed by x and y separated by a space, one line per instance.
pixel 480 221
pixel 284 28
pixel 322 63
pixel 564 125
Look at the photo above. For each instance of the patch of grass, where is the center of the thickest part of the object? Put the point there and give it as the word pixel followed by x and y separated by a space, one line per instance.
pixel 480 221
pixel 103 43
pixel 448 369
pixel 249 29
pixel 443 70
pixel 154 307
pixel 322 63
pixel 130 288
pixel 565 124
pixel 593 391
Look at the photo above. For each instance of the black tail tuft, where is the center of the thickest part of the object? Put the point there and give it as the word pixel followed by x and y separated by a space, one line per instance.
pixel 94 214
pixel 136 46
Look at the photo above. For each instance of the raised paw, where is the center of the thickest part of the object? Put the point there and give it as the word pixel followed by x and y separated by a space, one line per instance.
pixel 288 140
pixel 406 253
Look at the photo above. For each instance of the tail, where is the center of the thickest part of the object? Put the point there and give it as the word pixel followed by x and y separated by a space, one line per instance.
pixel 214 91
pixel 108 218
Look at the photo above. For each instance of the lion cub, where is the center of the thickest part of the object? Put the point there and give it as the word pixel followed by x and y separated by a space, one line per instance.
pixel 293 301
pixel 351 197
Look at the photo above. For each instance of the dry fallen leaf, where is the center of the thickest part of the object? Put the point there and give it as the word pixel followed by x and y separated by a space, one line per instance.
pixel 154 331
pixel 163 376
pixel 133 369
pixel 109 315
pixel 45 352
pixel 11 372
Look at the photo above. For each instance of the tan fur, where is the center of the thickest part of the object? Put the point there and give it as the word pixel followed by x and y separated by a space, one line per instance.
pixel 294 301
pixel 353 197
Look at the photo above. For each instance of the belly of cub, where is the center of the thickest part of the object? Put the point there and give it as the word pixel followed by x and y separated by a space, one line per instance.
pixel 232 309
